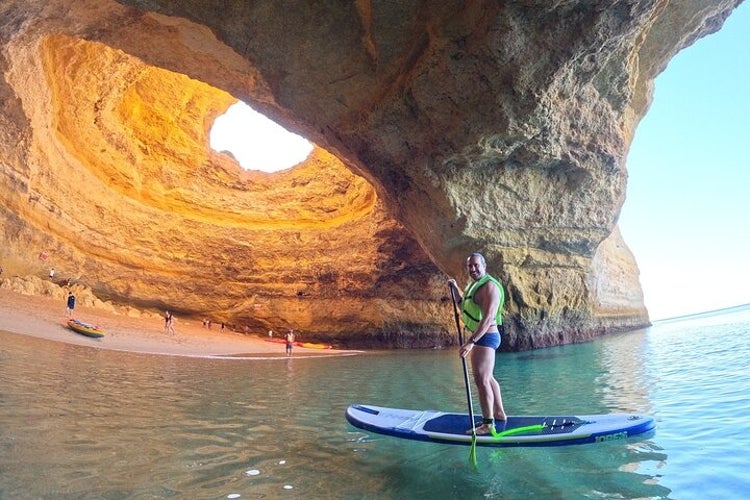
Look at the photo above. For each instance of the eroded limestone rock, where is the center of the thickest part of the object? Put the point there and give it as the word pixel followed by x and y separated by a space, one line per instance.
pixel 442 128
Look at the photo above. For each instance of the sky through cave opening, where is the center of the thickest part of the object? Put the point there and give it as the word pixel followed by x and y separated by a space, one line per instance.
pixel 257 142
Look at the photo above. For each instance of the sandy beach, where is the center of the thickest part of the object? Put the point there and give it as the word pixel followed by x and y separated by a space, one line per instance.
pixel 44 317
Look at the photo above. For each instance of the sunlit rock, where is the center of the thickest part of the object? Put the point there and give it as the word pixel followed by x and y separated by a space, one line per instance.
pixel 442 128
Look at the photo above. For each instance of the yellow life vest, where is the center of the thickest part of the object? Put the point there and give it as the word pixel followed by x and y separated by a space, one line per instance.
pixel 471 313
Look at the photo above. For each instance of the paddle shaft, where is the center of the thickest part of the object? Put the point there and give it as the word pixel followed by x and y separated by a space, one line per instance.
pixel 463 360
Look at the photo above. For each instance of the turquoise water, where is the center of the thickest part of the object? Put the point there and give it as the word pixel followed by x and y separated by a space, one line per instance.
pixel 77 422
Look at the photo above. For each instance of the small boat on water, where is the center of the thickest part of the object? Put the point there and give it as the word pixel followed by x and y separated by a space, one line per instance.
pixel 85 329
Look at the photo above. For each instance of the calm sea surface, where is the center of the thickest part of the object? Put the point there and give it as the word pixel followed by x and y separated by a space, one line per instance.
pixel 77 422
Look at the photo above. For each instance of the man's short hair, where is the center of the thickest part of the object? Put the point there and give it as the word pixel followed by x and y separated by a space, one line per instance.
pixel 481 257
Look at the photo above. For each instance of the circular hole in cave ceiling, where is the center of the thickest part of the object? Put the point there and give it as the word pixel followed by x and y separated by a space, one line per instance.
pixel 138 133
pixel 255 141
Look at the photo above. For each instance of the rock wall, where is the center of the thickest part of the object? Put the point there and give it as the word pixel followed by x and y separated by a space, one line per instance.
pixel 441 127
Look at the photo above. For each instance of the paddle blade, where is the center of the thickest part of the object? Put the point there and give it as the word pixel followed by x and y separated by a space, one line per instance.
pixel 473 451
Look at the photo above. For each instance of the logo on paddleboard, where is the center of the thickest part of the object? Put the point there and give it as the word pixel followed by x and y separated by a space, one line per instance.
pixel 611 437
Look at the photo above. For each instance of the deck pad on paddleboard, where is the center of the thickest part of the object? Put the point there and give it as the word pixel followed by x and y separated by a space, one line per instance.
pixel 450 428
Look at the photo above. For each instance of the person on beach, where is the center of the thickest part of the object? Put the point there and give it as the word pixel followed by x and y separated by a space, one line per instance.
pixel 71 304
pixel 289 342
pixel 481 312
pixel 169 322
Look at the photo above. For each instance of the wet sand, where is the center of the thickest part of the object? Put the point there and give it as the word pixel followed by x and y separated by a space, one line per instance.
pixel 44 317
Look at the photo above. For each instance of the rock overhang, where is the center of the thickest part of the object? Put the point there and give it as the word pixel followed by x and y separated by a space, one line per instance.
pixel 482 127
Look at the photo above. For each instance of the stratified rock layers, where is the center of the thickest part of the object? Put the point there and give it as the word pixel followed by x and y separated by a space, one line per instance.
pixel 442 128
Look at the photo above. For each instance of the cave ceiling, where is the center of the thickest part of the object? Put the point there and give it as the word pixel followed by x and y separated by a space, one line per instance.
pixel 440 128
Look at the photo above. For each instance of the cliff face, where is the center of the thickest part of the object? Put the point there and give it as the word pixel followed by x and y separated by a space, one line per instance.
pixel 442 128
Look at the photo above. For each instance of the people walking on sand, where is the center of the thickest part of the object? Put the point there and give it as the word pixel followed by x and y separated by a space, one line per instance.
pixel 52 273
pixel 168 322
pixel 481 306
pixel 71 304
pixel 289 342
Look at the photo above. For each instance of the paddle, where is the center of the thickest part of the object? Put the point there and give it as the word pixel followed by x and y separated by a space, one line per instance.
pixel 473 449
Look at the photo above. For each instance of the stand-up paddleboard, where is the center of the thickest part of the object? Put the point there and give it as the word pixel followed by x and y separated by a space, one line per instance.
pixel 450 428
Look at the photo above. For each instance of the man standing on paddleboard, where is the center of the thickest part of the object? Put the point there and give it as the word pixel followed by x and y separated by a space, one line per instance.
pixel 481 312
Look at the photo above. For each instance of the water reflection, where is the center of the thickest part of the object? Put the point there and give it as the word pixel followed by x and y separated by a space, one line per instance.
pixel 89 423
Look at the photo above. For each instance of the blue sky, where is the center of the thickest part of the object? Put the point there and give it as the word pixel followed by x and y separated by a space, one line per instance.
pixel 686 213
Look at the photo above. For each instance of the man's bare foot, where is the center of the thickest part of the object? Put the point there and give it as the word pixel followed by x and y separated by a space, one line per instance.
pixel 482 430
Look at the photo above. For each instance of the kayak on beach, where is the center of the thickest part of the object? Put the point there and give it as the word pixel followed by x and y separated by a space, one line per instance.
pixel 85 329
pixel 311 345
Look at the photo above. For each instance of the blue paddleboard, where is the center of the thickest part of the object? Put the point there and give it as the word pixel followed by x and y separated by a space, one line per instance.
pixel 450 428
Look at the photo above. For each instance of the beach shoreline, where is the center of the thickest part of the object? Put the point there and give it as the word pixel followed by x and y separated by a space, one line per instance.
pixel 44 317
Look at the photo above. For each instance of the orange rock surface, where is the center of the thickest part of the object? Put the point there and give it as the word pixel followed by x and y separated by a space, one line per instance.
pixel 441 128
